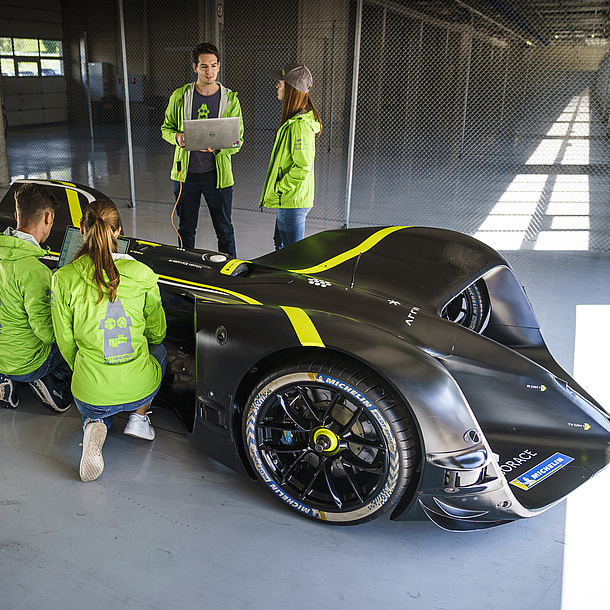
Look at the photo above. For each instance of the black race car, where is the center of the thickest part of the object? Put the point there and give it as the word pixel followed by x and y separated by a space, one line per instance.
pixel 372 370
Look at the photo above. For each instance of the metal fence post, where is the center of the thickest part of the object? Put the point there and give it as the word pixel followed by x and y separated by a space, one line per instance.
pixel 466 90
pixel 352 119
pixel 4 173
pixel 132 183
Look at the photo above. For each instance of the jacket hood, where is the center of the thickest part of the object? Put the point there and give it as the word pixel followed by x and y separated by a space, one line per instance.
pixel 14 247
pixel 309 119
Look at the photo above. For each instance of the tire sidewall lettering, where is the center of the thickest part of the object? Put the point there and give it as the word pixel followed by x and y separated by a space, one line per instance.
pixel 364 512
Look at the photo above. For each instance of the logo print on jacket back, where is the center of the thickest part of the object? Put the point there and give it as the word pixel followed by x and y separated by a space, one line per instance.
pixel 117 336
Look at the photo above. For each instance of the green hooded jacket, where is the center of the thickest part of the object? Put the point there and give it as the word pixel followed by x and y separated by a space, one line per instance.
pixel 180 106
pixel 290 177
pixel 106 343
pixel 26 331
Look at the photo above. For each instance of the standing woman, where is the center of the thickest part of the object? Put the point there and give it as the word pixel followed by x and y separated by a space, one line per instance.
pixel 109 324
pixel 289 186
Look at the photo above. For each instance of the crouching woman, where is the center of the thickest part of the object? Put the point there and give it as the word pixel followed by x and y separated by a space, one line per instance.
pixel 109 325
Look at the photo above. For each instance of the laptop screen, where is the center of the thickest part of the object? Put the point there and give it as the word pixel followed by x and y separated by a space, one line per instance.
pixel 73 240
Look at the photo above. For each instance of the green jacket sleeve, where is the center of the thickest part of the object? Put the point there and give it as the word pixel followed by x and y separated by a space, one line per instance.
pixel 36 290
pixel 303 154
pixel 154 315
pixel 63 323
pixel 173 121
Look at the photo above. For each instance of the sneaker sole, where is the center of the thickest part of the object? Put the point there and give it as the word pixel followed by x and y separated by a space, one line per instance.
pixel 92 461
pixel 13 401
pixel 9 405
pixel 128 432
pixel 42 392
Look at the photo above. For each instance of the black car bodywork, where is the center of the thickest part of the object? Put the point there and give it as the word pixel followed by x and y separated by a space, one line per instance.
pixel 368 370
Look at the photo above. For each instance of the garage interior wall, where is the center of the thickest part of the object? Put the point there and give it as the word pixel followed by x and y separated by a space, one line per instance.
pixel 488 121
pixel 33 100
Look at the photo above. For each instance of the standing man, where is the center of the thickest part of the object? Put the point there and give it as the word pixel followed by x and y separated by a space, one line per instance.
pixel 206 173
pixel 28 352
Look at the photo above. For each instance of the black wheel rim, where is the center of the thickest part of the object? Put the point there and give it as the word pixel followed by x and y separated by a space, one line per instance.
pixel 469 308
pixel 322 448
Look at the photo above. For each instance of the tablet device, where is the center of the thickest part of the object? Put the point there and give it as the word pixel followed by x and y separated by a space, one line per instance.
pixel 73 240
pixel 201 134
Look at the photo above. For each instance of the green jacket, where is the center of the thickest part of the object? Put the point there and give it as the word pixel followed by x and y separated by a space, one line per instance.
pixel 106 344
pixel 26 331
pixel 290 180
pixel 180 106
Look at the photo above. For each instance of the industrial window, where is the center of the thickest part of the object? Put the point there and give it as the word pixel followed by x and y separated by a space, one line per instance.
pixel 31 57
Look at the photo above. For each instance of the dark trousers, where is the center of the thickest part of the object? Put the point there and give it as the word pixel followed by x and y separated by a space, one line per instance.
pixel 219 203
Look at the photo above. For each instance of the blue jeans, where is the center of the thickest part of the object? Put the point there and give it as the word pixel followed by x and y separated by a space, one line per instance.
pixel 54 365
pixel 289 226
pixel 219 202
pixel 54 373
pixel 106 413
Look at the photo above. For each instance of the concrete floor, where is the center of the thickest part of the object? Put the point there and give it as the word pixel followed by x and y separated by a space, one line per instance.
pixel 167 527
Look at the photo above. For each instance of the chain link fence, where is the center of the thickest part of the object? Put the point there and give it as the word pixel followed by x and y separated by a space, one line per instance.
pixel 465 118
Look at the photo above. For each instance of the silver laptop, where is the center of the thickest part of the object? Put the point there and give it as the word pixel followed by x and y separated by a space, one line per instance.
pixel 201 134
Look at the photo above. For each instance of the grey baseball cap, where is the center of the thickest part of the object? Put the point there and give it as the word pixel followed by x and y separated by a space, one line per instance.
pixel 296 75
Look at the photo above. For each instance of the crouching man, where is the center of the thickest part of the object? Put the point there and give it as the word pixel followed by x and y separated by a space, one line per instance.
pixel 28 352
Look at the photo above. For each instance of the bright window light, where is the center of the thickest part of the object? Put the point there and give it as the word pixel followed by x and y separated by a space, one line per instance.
pixel 532 195
pixel 501 240
pixel 524 182
pixel 560 223
pixel 562 240
pixel 565 209
pixel 577 153
pixel 61 174
pixel 558 129
pixel 515 207
pixel 506 223
pixel 23 57
pixel 568 182
pixel 546 153
pixel 577 196
pixel 580 129
pixel 7 65
pixel 568 208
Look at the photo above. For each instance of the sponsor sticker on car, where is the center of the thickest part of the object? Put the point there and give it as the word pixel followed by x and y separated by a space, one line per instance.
pixel 542 471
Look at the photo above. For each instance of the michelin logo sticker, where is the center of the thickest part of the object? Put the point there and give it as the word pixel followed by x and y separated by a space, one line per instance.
pixel 542 471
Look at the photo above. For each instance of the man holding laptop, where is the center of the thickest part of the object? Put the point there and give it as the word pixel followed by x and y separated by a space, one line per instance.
pixel 205 171
pixel 28 352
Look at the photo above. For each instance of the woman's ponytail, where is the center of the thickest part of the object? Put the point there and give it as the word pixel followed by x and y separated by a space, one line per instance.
pixel 100 221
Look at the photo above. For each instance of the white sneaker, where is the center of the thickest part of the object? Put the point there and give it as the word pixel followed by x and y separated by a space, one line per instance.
pixel 8 395
pixel 92 461
pixel 138 428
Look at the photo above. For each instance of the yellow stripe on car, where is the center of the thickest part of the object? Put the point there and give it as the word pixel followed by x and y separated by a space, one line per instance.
pixel 243 297
pixel 231 266
pixel 367 244
pixel 303 327
pixel 74 204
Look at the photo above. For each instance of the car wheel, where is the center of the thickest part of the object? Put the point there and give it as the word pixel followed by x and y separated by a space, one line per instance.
pixel 331 440
pixel 470 308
